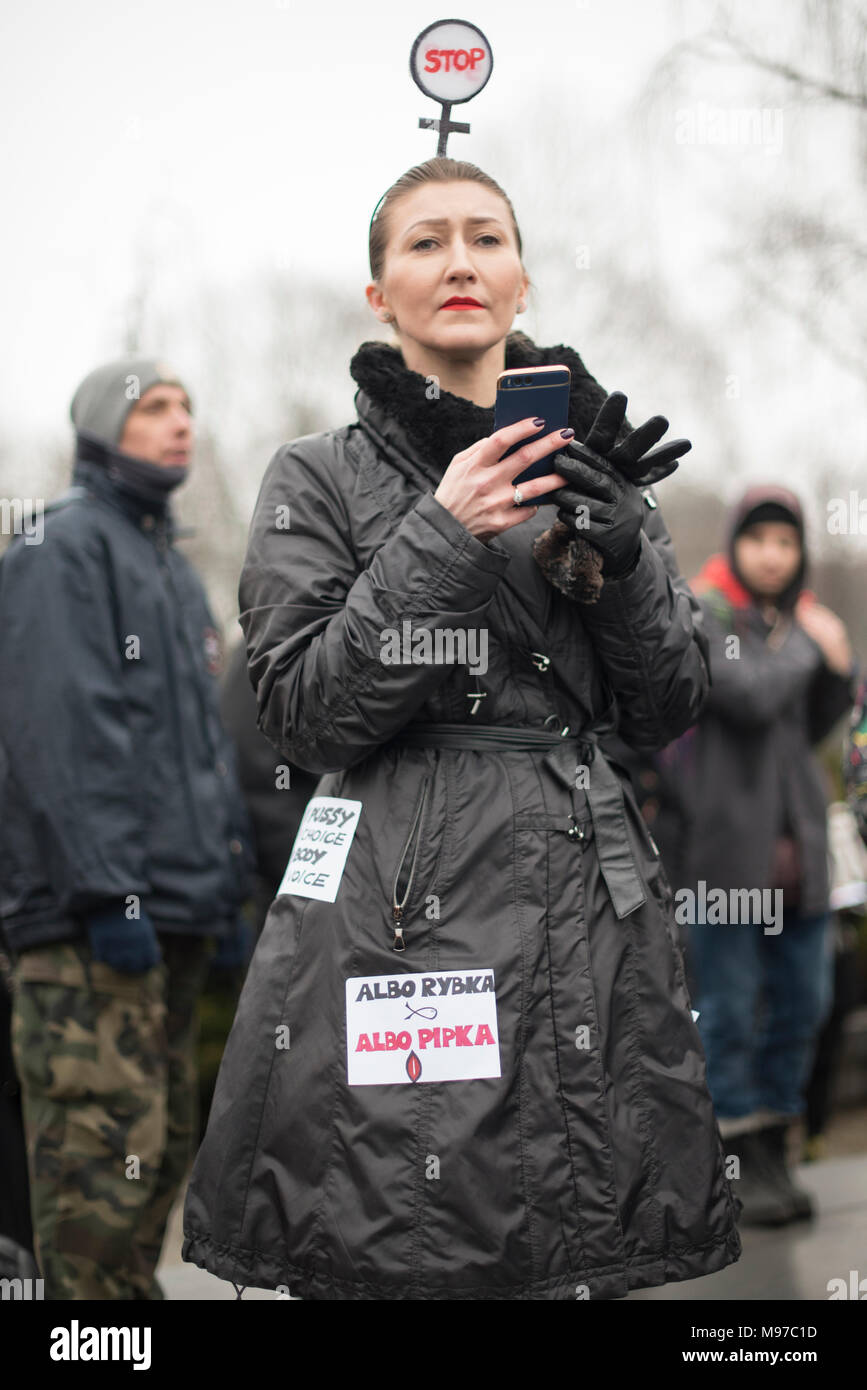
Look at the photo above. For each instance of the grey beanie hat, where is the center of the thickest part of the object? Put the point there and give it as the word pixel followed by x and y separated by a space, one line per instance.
pixel 107 395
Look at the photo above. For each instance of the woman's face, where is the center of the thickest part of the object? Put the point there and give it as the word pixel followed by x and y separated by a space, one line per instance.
pixel 768 555
pixel 445 240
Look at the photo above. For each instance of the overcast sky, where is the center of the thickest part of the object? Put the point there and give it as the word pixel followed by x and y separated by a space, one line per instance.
pixel 231 136
pixel 268 127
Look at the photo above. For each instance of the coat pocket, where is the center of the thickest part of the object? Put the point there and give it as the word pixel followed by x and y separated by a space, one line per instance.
pixel 405 873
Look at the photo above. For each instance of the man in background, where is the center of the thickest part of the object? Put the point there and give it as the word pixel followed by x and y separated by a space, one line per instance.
pixel 124 842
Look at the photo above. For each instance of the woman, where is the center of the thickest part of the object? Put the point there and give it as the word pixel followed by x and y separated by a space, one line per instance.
pixel 529 1117
pixel 755 808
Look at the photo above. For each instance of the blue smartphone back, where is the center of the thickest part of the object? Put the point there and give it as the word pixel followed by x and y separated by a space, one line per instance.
pixel 529 393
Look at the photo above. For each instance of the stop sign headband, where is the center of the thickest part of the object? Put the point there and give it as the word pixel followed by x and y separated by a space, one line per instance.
pixel 450 61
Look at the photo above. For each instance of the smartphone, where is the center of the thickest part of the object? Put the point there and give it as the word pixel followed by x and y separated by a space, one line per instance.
pixel 530 392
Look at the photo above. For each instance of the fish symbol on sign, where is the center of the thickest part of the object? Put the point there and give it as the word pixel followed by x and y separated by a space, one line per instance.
pixel 426 1011
pixel 413 1067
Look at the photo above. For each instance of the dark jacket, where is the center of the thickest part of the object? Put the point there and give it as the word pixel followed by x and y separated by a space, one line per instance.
pixel 855 761
pixel 592 1163
pixel 275 795
pixel 119 779
pixel 748 773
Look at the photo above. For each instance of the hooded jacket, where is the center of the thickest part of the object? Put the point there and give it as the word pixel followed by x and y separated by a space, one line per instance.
pixel 855 761
pixel 750 781
pixel 119 779
pixel 275 795
pixel 513 1105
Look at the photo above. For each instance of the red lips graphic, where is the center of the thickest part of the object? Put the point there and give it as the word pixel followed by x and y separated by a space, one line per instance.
pixel 413 1067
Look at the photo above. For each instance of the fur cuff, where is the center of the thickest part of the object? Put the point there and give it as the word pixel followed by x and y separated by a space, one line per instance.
pixel 570 563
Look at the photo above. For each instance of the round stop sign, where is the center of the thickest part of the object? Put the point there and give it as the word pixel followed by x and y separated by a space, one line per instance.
pixel 451 60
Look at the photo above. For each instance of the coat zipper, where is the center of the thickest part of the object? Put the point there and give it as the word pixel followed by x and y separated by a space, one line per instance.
pixel 398 906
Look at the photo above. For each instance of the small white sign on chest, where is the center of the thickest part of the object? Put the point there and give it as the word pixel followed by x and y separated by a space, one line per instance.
pixel 436 1026
pixel 319 853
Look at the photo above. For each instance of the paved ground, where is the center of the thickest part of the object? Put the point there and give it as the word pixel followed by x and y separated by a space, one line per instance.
pixel 797 1261
pixel 793 1263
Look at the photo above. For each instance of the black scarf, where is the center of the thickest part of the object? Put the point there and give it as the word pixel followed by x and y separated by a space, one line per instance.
pixel 442 426
pixel 147 485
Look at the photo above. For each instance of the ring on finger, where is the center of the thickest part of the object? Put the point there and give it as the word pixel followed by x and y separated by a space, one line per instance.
pixel 518 498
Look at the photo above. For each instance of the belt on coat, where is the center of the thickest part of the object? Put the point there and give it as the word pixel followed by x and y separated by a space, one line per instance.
pixel 604 791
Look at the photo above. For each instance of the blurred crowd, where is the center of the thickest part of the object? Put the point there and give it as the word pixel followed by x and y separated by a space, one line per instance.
pixel 142 844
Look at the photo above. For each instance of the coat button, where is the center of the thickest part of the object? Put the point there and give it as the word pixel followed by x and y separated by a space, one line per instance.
pixel 148 522
pixel 221 768
pixel 235 846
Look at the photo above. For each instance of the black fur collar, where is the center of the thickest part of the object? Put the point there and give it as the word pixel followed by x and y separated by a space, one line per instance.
pixel 441 427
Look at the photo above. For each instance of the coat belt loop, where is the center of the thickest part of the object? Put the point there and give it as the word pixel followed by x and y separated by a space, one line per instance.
pixel 616 860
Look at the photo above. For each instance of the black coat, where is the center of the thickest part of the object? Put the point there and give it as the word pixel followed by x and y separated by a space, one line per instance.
pixel 274 808
pixel 119 778
pixel 345 1157
pixel 855 761
pixel 748 773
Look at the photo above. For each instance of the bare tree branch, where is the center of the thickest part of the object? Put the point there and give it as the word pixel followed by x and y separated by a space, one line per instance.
pixel 742 52
pixel 808 320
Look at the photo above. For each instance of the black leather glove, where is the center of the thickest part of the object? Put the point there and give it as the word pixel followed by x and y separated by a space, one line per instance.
pixel 602 504
pixel 602 507
pixel 127 944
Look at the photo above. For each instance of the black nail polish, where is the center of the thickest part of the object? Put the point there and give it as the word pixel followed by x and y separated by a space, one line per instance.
pixel 567 434
pixel 538 422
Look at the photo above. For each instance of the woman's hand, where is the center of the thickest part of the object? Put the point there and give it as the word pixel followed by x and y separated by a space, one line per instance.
pixel 827 631
pixel 602 500
pixel 477 486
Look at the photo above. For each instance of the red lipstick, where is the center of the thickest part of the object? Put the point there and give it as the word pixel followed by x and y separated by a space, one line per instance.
pixel 457 302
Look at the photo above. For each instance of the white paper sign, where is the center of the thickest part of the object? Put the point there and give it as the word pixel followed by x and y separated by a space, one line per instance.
pixel 319 853
pixel 436 1026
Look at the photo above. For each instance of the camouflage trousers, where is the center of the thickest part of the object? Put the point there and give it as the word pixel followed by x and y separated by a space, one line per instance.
pixel 110 1104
